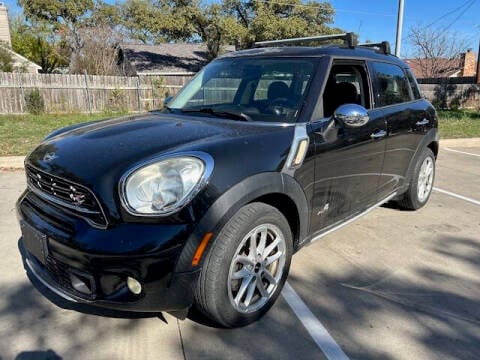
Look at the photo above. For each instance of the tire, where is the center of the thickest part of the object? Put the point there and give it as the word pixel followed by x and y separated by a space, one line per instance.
pixel 412 200
pixel 218 286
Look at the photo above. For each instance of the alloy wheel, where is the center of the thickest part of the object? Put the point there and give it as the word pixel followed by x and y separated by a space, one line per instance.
pixel 256 268
pixel 425 179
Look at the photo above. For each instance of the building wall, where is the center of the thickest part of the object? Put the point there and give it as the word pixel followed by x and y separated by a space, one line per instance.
pixel 4 28
pixel 20 63
pixel 469 64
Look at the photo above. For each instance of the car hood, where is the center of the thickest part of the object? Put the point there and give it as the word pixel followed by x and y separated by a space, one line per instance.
pixel 98 154
pixel 112 146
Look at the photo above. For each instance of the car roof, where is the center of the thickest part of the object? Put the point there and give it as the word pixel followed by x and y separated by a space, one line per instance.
pixel 306 51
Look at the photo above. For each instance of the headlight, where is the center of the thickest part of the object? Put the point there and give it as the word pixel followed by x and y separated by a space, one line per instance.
pixel 164 186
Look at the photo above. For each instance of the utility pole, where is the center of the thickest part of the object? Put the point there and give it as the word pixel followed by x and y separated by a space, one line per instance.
pixel 477 78
pixel 398 43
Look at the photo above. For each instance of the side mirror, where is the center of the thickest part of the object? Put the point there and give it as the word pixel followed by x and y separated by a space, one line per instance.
pixel 167 100
pixel 351 115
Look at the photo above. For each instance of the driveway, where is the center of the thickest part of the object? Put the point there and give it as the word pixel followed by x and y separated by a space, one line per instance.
pixel 393 285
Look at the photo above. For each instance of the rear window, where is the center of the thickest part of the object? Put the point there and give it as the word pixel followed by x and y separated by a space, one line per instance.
pixel 391 84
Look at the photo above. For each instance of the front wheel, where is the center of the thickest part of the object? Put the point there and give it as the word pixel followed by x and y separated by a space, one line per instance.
pixel 245 270
pixel 421 184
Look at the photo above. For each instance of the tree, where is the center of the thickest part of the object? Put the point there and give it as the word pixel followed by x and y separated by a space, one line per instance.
pixel 232 21
pixel 98 55
pixel 74 23
pixel 280 19
pixel 65 17
pixel 154 21
pixel 213 26
pixel 36 44
pixel 436 52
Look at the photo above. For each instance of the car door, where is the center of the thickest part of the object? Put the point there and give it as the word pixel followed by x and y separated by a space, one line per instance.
pixel 406 121
pixel 348 160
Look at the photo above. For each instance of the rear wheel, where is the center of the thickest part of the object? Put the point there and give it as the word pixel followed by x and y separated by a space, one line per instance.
pixel 245 270
pixel 421 184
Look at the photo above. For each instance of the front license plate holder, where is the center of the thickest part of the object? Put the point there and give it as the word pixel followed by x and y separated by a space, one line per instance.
pixel 35 242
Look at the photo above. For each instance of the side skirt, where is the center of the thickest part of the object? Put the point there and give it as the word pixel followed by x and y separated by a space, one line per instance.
pixel 332 228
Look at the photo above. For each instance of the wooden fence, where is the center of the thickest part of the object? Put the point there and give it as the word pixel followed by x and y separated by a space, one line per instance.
pixel 92 93
pixel 88 93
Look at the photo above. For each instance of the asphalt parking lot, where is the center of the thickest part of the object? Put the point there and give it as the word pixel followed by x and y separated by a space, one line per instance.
pixel 393 285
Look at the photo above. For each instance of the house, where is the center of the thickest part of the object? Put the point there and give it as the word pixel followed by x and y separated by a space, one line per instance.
pixel 19 62
pixel 163 58
pixel 464 65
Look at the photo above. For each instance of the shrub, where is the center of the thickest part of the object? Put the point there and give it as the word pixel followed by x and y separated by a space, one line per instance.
pixel 34 102
pixel 117 100
pixel 6 60
pixel 160 91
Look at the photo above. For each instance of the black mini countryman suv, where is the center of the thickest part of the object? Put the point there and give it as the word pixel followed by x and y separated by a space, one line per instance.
pixel 200 206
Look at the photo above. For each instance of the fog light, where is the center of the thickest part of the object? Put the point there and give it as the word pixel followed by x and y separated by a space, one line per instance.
pixel 134 286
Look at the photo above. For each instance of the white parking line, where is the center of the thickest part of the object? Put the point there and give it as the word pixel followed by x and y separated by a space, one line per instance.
pixel 458 196
pixel 461 152
pixel 314 327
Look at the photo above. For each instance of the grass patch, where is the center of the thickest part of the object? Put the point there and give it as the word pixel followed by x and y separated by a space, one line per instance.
pixel 459 124
pixel 20 134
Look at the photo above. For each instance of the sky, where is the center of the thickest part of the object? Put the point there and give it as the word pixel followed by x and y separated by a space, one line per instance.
pixel 376 20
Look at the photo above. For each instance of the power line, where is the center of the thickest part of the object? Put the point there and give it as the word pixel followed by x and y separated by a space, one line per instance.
pixel 375 13
pixel 459 16
pixel 469 3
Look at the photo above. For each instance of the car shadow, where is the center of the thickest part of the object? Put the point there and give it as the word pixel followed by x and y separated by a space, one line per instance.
pixel 38 355
pixel 35 324
pixel 437 311
pixel 442 305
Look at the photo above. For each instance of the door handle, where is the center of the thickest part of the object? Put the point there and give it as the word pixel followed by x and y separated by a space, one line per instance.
pixel 422 122
pixel 378 134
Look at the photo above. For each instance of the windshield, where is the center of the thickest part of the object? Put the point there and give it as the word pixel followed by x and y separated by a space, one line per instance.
pixel 249 89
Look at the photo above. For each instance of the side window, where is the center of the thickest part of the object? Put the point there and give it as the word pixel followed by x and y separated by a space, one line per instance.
pixel 391 85
pixel 413 85
pixel 346 84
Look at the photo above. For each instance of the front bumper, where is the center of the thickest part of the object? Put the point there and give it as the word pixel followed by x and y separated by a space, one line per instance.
pixel 60 252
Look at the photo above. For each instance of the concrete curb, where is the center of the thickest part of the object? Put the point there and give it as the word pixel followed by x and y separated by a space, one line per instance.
pixel 16 162
pixel 467 142
pixel 11 162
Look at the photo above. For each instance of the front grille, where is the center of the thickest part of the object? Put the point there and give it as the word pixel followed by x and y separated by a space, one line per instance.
pixel 60 273
pixel 77 199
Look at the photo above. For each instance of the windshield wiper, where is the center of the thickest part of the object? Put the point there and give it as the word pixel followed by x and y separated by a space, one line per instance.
pixel 224 114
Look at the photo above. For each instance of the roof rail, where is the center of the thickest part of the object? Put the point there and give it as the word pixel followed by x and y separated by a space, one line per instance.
pixel 383 46
pixel 348 39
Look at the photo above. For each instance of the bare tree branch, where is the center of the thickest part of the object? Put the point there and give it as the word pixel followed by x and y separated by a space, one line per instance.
pixel 436 53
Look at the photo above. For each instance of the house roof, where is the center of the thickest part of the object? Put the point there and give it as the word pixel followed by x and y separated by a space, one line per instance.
pixel 438 67
pixel 179 57
pixel 20 61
